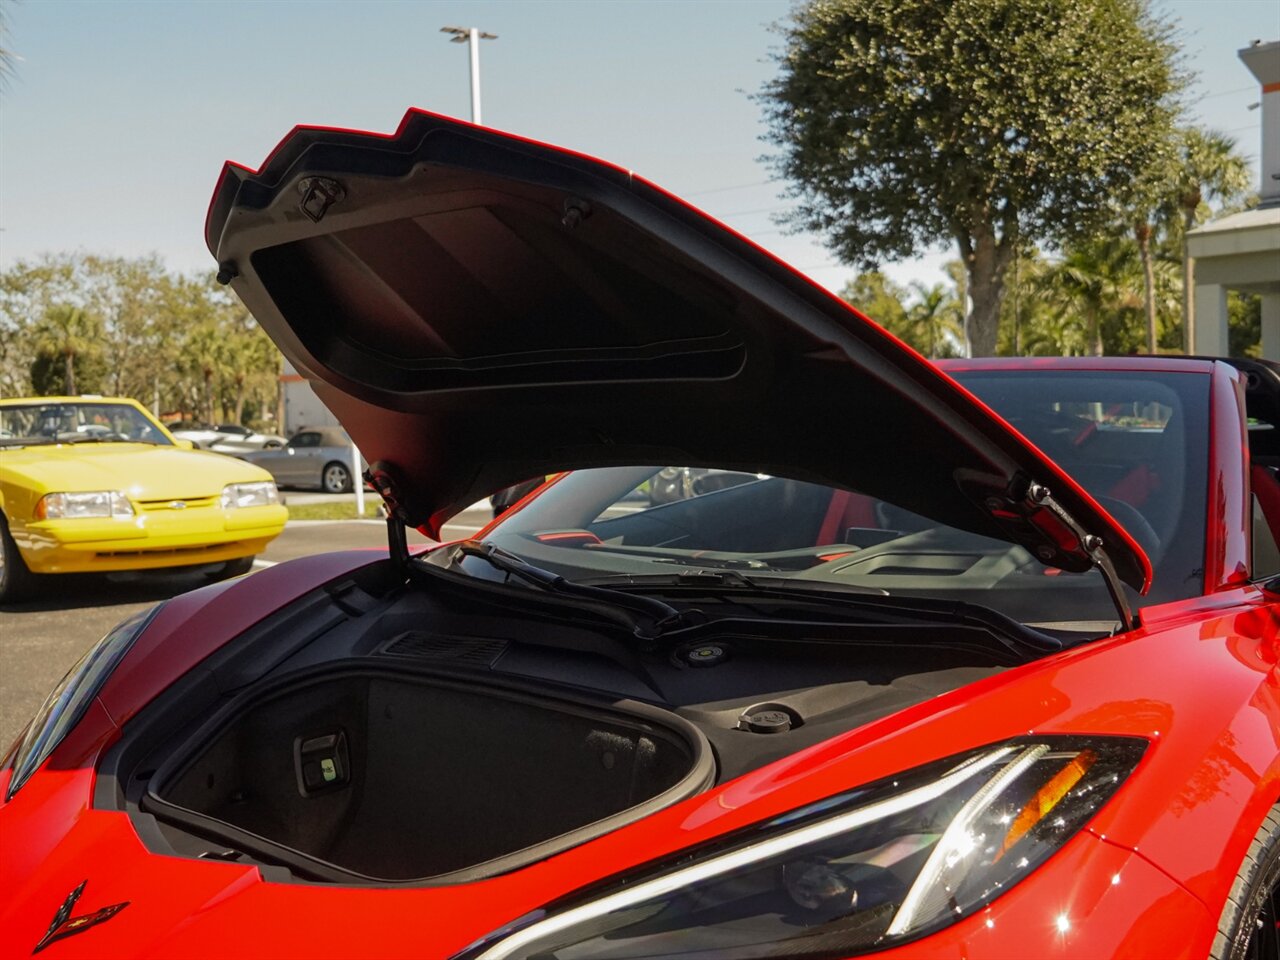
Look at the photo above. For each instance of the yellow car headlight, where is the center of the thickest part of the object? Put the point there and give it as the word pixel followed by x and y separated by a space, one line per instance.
pixel 261 494
pixel 97 504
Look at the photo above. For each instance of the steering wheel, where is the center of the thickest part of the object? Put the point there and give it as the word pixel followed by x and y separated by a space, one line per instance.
pixel 1135 523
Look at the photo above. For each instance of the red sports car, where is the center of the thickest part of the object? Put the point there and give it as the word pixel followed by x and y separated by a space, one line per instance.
pixel 973 663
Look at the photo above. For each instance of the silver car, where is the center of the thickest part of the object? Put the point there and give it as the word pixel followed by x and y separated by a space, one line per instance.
pixel 316 457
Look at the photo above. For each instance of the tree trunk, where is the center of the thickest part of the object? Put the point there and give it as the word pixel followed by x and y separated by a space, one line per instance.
pixel 69 372
pixel 1142 233
pixel 1188 277
pixel 239 401
pixel 208 396
pixel 985 260
pixel 1095 332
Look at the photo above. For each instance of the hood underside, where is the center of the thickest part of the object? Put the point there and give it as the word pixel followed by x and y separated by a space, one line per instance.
pixel 478 309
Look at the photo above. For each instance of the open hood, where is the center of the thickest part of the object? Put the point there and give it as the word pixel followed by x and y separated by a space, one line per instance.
pixel 478 309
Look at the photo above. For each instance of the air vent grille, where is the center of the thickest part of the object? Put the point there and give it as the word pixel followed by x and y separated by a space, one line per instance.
pixel 465 651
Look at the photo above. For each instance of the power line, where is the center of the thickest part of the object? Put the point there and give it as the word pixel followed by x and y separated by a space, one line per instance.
pixel 744 213
pixel 739 186
pixel 1224 93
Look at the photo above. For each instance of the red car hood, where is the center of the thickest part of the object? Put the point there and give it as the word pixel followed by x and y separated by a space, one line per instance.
pixel 478 309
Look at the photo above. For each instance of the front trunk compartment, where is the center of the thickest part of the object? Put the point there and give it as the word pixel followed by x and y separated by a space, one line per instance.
pixel 394 777
pixel 447 729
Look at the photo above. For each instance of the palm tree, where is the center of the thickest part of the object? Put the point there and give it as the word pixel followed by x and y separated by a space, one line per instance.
pixel 67 332
pixel 206 354
pixel 1056 335
pixel 1142 236
pixel 1094 279
pixel 939 314
pixel 1208 168
pixel 253 362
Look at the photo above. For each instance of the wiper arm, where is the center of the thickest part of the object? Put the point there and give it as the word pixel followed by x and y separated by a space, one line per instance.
pixel 647 617
pixel 79 438
pixel 735 585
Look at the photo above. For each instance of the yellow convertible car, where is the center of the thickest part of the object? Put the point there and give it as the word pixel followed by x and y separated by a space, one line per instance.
pixel 95 484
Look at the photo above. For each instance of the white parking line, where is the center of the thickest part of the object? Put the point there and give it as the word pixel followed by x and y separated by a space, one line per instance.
pixel 263 564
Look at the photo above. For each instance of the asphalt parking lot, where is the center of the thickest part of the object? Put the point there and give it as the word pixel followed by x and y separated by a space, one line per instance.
pixel 42 638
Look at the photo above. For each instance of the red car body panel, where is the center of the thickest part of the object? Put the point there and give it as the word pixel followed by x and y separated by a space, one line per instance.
pixel 195 908
pixel 1229 531
pixel 1147 876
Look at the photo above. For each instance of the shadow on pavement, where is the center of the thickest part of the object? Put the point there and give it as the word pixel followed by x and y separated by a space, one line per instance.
pixel 70 591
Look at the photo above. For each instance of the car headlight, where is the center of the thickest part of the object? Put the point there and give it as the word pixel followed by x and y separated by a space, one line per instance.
pixel 98 504
pixel 64 707
pixel 863 871
pixel 249 494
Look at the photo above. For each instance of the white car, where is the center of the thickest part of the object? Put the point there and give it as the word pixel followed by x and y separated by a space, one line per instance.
pixel 228 438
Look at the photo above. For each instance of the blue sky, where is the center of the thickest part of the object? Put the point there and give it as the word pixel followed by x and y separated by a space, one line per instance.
pixel 121 113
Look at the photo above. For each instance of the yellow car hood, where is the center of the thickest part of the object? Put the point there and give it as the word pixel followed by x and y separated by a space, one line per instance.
pixel 141 471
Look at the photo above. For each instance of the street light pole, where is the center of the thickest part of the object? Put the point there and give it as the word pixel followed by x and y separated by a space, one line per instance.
pixel 472 37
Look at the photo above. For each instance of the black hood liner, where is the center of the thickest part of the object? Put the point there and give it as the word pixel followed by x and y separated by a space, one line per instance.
pixel 478 309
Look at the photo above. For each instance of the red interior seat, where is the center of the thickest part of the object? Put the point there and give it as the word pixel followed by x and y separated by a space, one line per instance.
pixel 846 510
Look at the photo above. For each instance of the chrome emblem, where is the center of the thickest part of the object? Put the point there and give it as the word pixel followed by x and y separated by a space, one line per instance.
pixel 177 504
pixel 65 925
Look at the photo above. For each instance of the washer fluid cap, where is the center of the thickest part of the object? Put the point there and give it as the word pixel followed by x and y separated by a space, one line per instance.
pixel 767 721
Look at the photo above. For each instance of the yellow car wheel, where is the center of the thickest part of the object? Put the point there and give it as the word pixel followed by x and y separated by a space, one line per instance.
pixel 16 581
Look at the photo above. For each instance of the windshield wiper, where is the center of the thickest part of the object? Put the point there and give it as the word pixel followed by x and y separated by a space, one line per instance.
pixel 647 617
pixel 80 438
pixel 736 587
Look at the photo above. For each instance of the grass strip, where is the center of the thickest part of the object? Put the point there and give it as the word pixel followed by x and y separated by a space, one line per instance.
pixel 333 511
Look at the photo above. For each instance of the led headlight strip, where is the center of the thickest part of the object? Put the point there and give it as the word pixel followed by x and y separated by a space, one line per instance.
pixel 887 862
pixel 513 944
pixel 957 841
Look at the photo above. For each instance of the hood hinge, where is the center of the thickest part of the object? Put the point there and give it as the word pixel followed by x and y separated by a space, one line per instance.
pixel 1039 496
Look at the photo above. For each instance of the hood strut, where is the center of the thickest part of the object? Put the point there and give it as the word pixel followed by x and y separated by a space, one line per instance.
pixel 397 542
pixel 1093 546
pixel 384 478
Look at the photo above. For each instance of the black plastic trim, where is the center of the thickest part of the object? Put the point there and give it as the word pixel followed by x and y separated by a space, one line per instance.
pixel 651 719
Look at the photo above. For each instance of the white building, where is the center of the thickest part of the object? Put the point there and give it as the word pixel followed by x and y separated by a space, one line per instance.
pixel 302 408
pixel 1242 251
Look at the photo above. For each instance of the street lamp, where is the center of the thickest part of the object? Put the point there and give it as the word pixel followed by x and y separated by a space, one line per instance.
pixel 472 36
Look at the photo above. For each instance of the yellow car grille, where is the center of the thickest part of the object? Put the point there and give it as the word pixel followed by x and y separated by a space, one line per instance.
pixel 181 503
pixel 169 551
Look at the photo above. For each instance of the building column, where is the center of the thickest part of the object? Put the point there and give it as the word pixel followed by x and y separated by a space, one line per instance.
pixel 1211 321
pixel 1271 326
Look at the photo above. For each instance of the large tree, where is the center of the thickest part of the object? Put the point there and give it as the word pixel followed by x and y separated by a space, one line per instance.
pixel 177 342
pixel 904 124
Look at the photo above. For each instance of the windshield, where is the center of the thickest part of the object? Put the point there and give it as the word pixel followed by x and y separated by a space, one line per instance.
pixel 1135 441
pixel 27 424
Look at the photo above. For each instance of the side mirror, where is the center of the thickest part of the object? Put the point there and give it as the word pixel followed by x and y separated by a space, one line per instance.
pixel 184 444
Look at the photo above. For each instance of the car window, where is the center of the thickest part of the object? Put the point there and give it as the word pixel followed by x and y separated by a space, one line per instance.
pixel 675 483
pixel 76 422
pixel 305 440
pixel 1136 443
